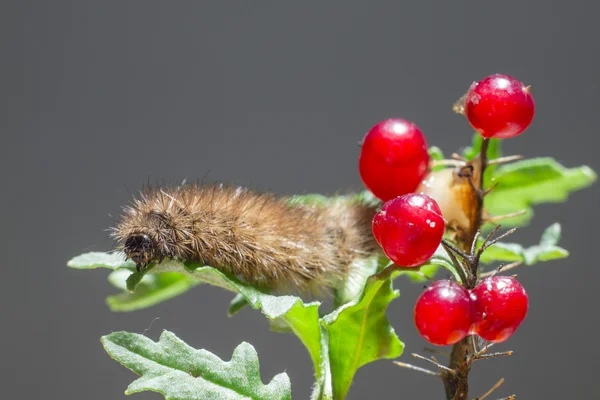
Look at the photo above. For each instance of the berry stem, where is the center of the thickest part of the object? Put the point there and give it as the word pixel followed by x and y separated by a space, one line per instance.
pixel 456 384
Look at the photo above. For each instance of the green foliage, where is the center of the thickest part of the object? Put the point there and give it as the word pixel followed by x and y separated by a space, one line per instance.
pixel 436 154
pixel 178 371
pixel 322 337
pixel 96 259
pixel 359 333
pixel 152 289
pixel 546 250
pixel 472 151
pixel 360 270
pixel 525 183
pixel 494 151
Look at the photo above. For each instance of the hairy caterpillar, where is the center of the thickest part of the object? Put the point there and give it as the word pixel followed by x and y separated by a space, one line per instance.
pixel 263 239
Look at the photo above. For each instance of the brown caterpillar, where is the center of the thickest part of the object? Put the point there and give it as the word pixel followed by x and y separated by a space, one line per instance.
pixel 260 238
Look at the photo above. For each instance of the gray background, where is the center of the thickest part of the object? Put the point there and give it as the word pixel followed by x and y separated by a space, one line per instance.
pixel 98 97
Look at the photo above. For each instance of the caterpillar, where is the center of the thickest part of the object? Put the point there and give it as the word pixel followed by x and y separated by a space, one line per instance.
pixel 261 238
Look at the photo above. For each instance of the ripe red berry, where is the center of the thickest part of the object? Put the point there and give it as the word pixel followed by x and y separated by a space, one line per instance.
pixel 499 106
pixel 499 306
pixel 443 313
pixel 393 158
pixel 409 229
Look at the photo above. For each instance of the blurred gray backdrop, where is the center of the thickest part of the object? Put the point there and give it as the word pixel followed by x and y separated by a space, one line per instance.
pixel 97 98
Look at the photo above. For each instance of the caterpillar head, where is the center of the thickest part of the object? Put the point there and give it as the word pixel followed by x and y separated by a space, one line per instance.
pixel 141 249
pixel 154 228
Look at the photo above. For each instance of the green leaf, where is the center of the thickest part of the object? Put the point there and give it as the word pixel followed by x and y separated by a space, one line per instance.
pixel 551 235
pixel 545 251
pixel 436 154
pixel 494 151
pixel 310 200
pixel 525 183
pixel 428 270
pixel 153 289
pixel 287 313
pixel 494 148
pixel 359 271
pixel 326 339
pixel 96 259
pixel 365 197
pixel 237 303
pixel 359 333
pixel 180 372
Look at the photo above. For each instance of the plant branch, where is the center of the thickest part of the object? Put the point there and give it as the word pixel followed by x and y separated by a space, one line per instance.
pixel 465 255
pixel 456 384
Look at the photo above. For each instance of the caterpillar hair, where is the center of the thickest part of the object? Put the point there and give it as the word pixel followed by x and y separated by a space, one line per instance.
pixel 263 239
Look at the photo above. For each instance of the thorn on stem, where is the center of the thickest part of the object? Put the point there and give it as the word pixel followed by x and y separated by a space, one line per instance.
pixel 497 218
pixel 492 389
pixel 480 356
pixel 451 163
pixel 504 160
pixel 501 267
pixel 457 156
pixel 487 243
pixel 440 366
pixel 415 368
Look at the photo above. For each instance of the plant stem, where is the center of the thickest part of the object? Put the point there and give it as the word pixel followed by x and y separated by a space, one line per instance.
pixel 456 384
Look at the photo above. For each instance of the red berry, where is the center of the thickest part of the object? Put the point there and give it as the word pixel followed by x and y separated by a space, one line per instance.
pixel 409 229
pixel 499 106
pixel 393 158
pixel 443 313
pixel 499 306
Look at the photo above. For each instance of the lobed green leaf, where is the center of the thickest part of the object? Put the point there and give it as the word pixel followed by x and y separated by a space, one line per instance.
pixel 524 183
pixel 546 250
pixel 180 372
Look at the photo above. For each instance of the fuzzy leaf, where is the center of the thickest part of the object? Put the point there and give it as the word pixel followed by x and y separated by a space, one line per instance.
pixel 285 312
pixel 539 180
pixel 97 259
pixel 325 338
pixel 153 289
pixel 545 251
pixel 551 235
pixel 359 333
pixel 180 372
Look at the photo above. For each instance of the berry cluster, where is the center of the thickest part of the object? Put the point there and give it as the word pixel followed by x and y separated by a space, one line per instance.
pixel 393 164
pixel 446 312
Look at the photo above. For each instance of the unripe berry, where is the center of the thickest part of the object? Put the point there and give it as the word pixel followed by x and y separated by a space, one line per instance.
pixel 453 194
pixel 499 106
pixel 409 229
pixel 393 158
pixel 443 313
pixel 499 306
